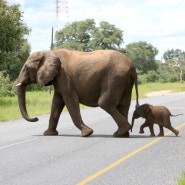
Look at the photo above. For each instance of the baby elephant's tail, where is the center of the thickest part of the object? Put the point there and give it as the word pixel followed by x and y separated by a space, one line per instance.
pixel 176 115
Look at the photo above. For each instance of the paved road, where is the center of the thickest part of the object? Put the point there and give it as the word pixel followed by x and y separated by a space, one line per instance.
pixel 29 158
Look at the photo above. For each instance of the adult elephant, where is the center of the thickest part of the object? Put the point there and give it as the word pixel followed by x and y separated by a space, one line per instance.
pixel 101 78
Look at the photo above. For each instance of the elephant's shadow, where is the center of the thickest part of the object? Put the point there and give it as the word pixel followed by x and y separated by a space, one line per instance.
pixel 105 136
pixel 77 135
pixel 147 136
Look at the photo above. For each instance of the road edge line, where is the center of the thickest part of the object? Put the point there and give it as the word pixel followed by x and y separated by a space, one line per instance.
pixel 18 143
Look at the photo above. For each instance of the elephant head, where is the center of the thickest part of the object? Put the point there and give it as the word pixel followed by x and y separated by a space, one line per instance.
pixel 40 68
pixel 140 111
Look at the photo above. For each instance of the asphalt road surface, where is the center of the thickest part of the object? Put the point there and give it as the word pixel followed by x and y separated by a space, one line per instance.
pixel 29 158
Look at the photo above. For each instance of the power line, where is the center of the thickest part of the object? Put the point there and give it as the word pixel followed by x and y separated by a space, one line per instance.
pixel 39 34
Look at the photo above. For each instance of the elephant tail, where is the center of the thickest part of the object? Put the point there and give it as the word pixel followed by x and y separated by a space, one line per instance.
pixel 134 75
pixel 176 115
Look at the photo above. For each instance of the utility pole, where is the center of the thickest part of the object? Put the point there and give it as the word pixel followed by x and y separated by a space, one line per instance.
pixel 52 46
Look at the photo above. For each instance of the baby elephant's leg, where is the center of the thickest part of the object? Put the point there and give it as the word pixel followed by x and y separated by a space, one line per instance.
pixel 161 132
pixel 152 134
pixel 175 131
pixel 145 124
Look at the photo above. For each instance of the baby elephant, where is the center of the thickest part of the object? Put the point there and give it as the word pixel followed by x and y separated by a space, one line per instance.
pixel 154 114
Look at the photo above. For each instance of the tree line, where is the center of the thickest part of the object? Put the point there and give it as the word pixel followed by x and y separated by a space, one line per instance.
pixel 84 36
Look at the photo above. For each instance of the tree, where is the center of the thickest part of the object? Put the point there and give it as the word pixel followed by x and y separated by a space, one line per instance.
pixel 142 55
pixel 85 36
pixel 12 41
pixel 176 59
pixel 106 36
pixel 76 35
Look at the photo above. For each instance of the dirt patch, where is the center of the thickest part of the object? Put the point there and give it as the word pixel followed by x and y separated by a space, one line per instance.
pixel 159 93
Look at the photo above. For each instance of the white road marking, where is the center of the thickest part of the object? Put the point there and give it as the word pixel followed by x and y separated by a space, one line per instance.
pixel 14 144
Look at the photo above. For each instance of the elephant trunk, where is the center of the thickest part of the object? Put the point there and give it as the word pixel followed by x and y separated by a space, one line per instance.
pixel 133 118
pixel 22 104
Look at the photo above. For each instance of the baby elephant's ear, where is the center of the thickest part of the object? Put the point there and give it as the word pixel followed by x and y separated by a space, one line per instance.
pixel 146 109
pixel 139 111
pixel 48 69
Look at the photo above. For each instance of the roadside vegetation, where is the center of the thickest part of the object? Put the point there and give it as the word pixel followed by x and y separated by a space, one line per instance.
pixel 39 101
pixel 181 181
pixel 85 35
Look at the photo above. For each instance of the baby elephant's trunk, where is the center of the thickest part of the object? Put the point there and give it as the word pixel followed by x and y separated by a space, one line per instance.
pixel 133 118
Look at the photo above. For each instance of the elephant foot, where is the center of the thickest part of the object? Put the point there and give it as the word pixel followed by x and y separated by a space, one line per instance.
pixel 160 134
pixel 122 132
pixel 86 131
pixel 152 135
pixel 141 132
pixel 50 133
pixel 177 132
pixel 126 135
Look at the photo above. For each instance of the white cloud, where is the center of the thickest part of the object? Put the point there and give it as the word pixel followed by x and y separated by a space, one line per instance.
pixel 159 22
pixel 163 2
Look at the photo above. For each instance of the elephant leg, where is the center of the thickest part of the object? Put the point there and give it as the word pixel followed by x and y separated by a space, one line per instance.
pixel 175 131
pixel 145 124
pixel 112 101
pixel 141 131
pixel 152 134
pixel 123 108
pixel 57 107
pixel 161 133
pixel 124 111
pixel 122 123
pixel 72 105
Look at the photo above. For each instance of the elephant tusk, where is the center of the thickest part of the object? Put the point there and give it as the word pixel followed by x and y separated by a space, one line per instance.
pixel 19 84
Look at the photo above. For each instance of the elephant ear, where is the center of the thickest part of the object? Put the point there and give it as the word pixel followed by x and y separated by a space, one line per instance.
pixel 139 111
pixel 146 109
pixel 48 69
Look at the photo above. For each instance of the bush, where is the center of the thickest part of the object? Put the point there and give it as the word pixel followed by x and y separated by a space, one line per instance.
pixel 7 88
pixel 150 76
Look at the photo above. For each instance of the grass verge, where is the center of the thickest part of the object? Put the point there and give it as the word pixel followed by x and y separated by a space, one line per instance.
pixel 181 181
pixel 151 87
pixel 39 102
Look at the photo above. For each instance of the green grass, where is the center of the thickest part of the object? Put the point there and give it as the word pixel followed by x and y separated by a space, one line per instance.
pixel 151 87
pixel 181 181
pixel 39 102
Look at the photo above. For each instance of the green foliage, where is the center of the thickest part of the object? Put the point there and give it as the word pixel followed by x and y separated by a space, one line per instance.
pixel 106 36
pixel 76 35
pixel 13 46
pixel 142 55
pixel 181 181
pixel 7 88
pixel 85 36
pixel 150 76
pixel 167 74
pixel 176 59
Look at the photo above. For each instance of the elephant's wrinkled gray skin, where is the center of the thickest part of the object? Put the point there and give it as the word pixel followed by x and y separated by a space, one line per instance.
pixel 154 114
pixel 101 78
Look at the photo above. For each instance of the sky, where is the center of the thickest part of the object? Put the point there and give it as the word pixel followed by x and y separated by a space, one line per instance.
pixel 158 22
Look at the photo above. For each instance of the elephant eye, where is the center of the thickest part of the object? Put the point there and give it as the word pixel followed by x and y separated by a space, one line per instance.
pixel 37 60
